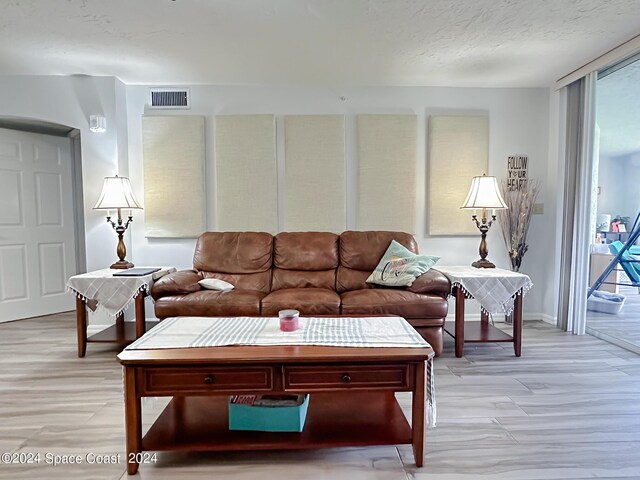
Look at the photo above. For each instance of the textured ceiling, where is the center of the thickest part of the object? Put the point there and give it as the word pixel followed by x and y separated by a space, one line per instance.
pixel 618 111
pixel 313 42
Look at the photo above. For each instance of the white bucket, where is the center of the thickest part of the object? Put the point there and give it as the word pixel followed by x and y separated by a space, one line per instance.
pixel 605 302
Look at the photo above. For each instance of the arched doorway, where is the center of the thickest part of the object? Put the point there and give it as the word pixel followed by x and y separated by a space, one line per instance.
pixel 41 219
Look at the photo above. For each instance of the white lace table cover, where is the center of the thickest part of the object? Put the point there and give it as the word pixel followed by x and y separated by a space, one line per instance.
pixel 101 289
pixel 494 288
pixel 186 332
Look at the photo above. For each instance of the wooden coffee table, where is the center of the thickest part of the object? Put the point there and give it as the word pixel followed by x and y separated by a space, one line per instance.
pixel 352 396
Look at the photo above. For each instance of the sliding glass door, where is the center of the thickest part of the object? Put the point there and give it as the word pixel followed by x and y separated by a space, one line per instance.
pixel 613 312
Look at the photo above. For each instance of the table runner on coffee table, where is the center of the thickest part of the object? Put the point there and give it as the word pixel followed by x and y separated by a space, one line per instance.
pixel 191 332
pixel 494 288
pixel 182 332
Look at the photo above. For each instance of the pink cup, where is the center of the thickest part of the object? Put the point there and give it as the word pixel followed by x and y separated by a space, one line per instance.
pixel 289 320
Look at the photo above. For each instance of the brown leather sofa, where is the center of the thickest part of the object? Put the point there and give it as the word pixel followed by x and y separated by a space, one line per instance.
pixel 317 273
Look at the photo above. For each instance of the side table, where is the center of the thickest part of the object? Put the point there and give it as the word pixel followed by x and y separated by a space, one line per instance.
pixel 101 289
pixel 483 331
pixel 499 292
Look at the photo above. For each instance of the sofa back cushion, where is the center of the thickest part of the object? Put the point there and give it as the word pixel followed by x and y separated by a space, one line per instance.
pixel 260 282
pixel 243 259
pixel 360 253
pixel 305 260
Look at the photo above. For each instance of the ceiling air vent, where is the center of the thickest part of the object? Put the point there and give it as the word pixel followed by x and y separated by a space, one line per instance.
pixel 170 98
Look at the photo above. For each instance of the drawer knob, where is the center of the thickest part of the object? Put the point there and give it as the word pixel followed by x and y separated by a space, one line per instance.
pixel 346 378
pixel 208 380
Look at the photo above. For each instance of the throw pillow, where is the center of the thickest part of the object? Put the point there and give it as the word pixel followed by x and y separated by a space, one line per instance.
pixel 215 284
pixel 399 267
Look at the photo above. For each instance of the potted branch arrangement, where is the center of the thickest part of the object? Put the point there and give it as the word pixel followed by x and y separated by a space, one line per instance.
pixel 515 221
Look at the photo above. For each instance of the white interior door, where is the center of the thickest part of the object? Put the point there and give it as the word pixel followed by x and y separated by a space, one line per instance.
pixel 37 231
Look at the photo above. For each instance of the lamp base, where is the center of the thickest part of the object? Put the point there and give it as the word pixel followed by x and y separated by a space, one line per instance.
pixel 122 265
pixel 483 263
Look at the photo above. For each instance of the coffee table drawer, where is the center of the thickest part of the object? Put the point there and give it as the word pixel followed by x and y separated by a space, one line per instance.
pixel 203 379
pixel 348 376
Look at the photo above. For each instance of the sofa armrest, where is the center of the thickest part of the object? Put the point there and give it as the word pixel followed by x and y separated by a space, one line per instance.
pixel 176 283
pixel 432 282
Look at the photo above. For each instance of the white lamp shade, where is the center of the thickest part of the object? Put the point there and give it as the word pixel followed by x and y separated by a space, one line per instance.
pixel 116 193
pixel 484 193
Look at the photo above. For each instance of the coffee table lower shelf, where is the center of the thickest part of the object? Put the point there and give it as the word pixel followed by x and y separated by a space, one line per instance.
pixel 333 420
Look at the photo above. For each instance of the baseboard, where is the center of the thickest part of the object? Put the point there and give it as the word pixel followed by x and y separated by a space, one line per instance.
pixel 551 320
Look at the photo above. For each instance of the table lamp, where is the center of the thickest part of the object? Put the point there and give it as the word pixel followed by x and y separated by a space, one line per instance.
pixel 117 195
pixel 484 194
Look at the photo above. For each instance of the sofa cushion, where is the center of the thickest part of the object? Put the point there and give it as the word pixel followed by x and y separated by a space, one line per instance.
pixel 210 303
pixel 305 260
pixel 260 282
pixel 400 267
pixel 308 301
pixel 233 252
pixel 363 250
pixel 305 251
pixel 349 279
pixel 176 283
pixel 393 301
pixel 360 253
pixel 303 279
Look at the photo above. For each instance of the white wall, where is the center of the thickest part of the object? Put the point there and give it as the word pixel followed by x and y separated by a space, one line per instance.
pixel 548 243
pixel 519 123
pixel 631 175
pixel 619 181
pixel 611 198
pixel 69 101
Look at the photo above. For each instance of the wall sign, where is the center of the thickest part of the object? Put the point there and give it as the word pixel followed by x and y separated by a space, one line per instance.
pixel 517 171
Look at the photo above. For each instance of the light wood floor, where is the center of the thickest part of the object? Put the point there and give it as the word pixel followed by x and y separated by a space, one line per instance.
pixel 623 328
pixel 568 409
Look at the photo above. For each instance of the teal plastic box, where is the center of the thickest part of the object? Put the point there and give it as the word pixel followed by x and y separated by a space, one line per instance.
pixel 261 418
